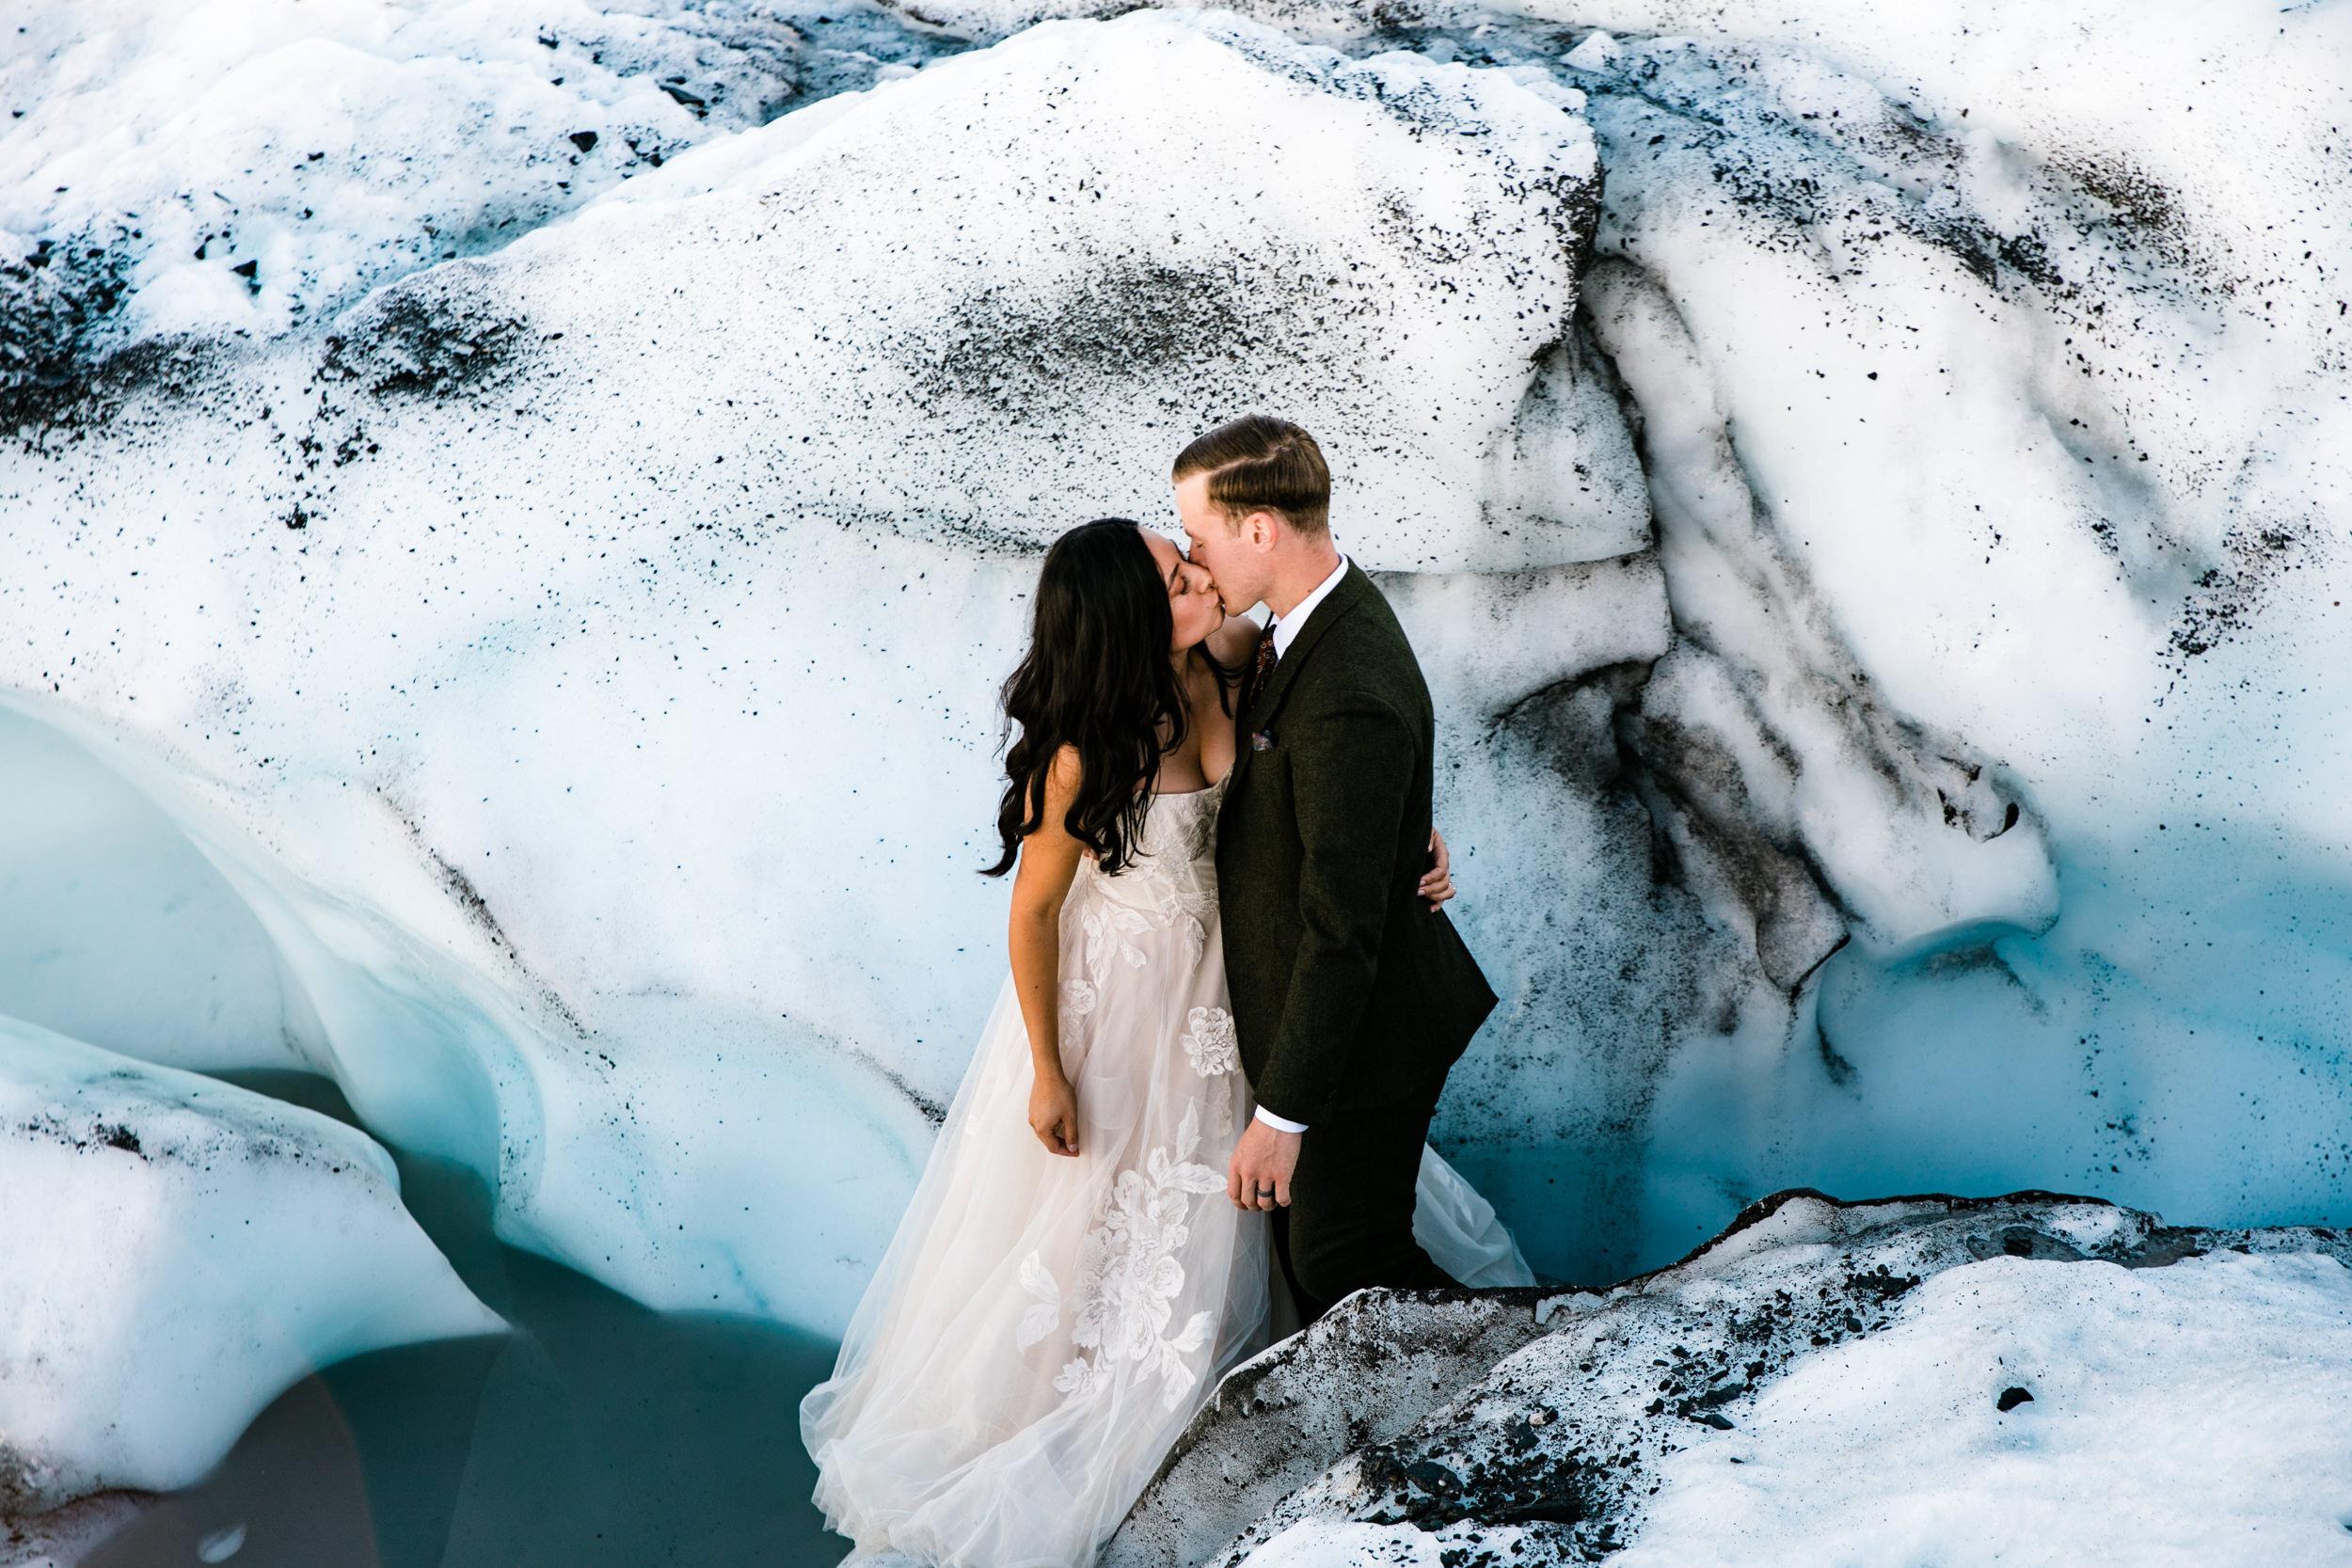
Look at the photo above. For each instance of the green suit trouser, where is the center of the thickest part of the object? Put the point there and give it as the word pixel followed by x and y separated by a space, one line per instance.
pixel 1350 1221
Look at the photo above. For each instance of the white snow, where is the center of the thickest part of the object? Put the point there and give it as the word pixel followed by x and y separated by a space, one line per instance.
pixel 1927 1380
pixel 1325 1543
pixel 179 1251
pixel 2186 1415
pixel 332 144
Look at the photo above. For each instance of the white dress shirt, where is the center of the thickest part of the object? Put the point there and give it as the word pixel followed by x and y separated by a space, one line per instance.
pixel 1286 630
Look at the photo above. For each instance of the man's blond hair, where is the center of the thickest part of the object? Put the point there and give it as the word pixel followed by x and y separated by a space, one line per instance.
pixel 1260 464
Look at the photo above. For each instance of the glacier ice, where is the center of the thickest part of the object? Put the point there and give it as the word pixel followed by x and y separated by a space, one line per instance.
pixel 387 980
pixel 2126 1379
pixel 2038 439
pixel 252 165
pixel 1273 1425
pixel 689 1056
pixel 2030 1377
pixel 91 867
pixel 179 1251
pixel 1870 512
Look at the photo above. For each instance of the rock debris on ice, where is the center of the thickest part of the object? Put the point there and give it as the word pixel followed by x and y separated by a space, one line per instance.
pixel 1825 1382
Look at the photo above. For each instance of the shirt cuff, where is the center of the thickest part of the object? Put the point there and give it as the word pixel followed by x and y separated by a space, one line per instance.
pixel 1280 1124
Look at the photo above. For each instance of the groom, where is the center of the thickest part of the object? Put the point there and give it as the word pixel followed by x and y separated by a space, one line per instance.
pixel 1351 997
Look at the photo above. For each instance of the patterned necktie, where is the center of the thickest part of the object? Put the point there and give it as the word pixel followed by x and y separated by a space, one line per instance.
pixel 1260 671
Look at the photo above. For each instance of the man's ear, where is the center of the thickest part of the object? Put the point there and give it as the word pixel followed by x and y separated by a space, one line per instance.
pixel 1262 529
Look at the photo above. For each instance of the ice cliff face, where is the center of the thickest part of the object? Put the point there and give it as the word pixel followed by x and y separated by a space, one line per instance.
pixel 1824 1382
pixel 1867 489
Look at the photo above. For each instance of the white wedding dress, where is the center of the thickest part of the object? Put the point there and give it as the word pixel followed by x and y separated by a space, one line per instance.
pixel 1043 1326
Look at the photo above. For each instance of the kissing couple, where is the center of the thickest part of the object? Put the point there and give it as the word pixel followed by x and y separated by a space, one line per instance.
pixel 1200 1112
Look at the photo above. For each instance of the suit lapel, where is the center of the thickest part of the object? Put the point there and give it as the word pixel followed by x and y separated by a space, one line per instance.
pixel 1335 606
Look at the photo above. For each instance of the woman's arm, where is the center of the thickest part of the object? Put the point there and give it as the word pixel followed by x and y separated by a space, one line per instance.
pixel 1049 861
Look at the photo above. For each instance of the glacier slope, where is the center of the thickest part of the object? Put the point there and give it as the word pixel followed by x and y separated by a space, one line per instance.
pixel 2041 436
pixel 150 903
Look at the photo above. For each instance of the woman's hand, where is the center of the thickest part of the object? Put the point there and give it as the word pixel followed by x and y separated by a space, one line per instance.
pixel 1436 883
pixel 1054 1115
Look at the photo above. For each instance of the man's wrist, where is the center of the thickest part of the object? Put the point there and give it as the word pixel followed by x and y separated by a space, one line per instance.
pixel 1280 1124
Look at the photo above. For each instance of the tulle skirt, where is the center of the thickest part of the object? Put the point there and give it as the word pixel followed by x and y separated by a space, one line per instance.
pixel 1043 1326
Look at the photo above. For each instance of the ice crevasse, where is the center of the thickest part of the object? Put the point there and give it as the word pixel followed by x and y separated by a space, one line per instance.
pixel 1869 505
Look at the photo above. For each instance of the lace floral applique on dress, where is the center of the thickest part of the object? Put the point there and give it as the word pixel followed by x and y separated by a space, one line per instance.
pixel 1109 927
pixel 1215 1051
pixel 1184 861
pixel 1043 1326
pixel 1128 1274
pixel 1211 1043
pixel 1077 1001
pixel 1170 884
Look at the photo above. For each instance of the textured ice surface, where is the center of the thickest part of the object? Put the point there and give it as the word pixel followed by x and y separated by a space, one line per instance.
pixel 178 1252
pixel 582 673
pixel 1994 399
pixel 2202 1405
pixel 2032 1378
pixel 1880 575
pixel 251 166
pixel 685 1176
pixel 1275 1425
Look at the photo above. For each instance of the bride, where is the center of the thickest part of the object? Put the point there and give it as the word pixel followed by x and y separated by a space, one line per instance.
pixel 1070 1280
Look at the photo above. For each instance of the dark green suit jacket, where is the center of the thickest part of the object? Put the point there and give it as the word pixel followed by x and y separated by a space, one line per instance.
pixel 1348 991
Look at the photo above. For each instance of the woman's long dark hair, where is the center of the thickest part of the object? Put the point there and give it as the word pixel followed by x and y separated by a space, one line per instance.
pixel 1097 676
